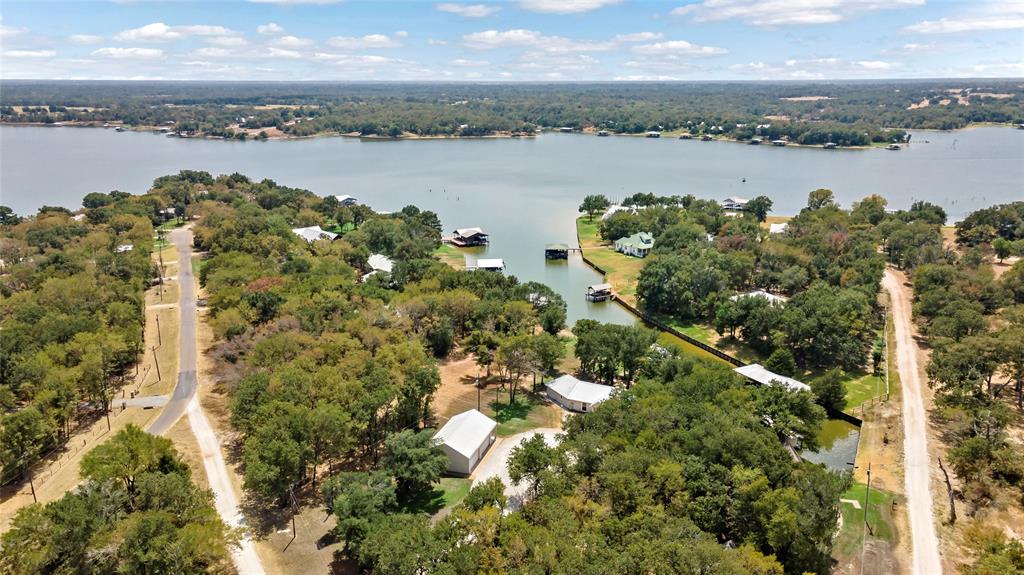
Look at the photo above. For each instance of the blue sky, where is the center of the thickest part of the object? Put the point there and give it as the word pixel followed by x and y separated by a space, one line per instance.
pixel 526 40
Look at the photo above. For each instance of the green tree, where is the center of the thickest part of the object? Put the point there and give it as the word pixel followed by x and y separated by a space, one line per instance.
pixel 529 460
pixel 781 362
pixel 356 500
pixel 129 454
pixel 594 204
pixel 829 390
pixel 1002 248
pixel 414 460
pixel 760 207
pixel 820 199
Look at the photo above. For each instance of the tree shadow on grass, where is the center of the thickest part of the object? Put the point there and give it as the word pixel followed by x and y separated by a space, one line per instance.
pixel 504 412
pixel 429 502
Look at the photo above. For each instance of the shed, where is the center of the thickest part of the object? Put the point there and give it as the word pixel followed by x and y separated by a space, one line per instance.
pixel 772 298
pixel 577 395
pixel 313 233
pixel 465 438
pixel 123 248
pixel 378 263
pixel 758 374
pixel 777 228
pixel 637 245
pixel 347 200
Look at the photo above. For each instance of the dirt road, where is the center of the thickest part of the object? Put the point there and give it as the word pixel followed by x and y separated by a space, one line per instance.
pixel 184 400
pixel 916 463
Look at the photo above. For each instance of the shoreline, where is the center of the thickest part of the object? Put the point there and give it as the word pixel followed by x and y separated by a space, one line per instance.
pixel 495 136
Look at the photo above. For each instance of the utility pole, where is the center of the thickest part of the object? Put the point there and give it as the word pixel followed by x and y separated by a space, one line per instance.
pixel 159 336
pixel 157 362
pixel 866 493
pixel 478 394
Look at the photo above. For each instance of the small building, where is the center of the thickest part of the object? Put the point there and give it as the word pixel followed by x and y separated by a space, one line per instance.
pixel 577 395
pixel 779 228
pixel 637 245
pixel 168 213
pixel 603 133
pixel 653 134
pixel 734 203
pixel 465 439
pixel 313 233
pixel 894 147
pixel 488 264
pixel 754 142
pixel 465 237
pixel 123 248
pixel 556 252
pixel 347 201
pixel 830 145
pixel 566 129
pixel 772 298
pixel 378 263
pixel 599 292
pixel 779 142
pixel 758 374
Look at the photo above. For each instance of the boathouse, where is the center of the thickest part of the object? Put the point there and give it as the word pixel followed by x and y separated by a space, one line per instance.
pixel 488 264
pixel 758 374
pixel 637 245
pixel 465 439
pixel 577 395
pixel 653 134
pixel 599 292
pixel 465 237
pixel 556 252
pixel 734 203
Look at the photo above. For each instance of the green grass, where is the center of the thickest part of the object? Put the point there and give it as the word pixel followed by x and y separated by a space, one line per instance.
pixel 879 512
pixel 861 387
pixel 333 227
pixel 450 255
pixel 517 417
pixel 622 271
pixel 450 492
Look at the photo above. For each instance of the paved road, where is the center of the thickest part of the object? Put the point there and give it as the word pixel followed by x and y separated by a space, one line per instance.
pixel 184 400
pixel 495 463
pixel 186 387
pixel 925 558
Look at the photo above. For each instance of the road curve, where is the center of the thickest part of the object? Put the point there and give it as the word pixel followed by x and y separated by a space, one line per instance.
pixel 184 400
pixel 925 558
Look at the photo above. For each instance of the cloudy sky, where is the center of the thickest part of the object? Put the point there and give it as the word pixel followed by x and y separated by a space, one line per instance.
pixel 525 40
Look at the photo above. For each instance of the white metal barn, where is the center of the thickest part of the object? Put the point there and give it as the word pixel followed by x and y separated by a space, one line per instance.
pixel 577 395
pixel 465 439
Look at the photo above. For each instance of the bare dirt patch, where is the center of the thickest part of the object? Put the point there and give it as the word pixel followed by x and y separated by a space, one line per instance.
pixel 1000 268
pixel 924 103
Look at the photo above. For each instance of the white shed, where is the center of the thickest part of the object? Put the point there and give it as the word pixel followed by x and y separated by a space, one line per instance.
pixel 758 373
pixel 465 439
pixel 577 395
pixel 313 233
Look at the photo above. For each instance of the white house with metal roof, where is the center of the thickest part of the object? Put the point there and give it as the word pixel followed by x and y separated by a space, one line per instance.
pixel 313 233
pixel 772 298
pixel 465 439
pixel 347 200
pixel 757 373
pixel 378 263
pixel 577 395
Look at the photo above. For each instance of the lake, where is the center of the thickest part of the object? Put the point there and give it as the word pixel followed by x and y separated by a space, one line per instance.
pixel 524 192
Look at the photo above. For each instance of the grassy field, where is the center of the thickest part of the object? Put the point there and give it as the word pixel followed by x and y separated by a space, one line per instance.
pixel 448 493
pixel 525 414
pixel 450 255
pixel 879 518
pixel 622 271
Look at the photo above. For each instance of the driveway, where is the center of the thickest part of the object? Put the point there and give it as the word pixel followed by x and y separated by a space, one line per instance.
pixel 495 463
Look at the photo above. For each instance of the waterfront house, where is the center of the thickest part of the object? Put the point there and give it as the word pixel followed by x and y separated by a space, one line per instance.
pixel 556 252
pixel 465 237
pixel 734 203
pixel 577 395
pixel 313 233
pixel 637 245
pixel 346 200
pixel 772 298
pixel 599 292
pixel 777 228
pixel 465 439
pixel 758 374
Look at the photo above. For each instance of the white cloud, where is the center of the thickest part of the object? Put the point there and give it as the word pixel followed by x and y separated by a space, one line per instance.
pixel 84 39
pixel 29 53
pixel 490 39
pixel 645 78
pixel 771 13
pixel 1000 70
pixel 370 41
pixel 435 42
pixel 565 6
pixel 874 65
pixel 129 53
pixel 8 31
pixel 401 34
pixel 214 53
pixel 282 53
pixel 816 69
pixel 227 41
pixel 677 48
pixel 467 10
pixel 638 37
pixel 356 59
pixel 558 62
pixel 270 28
pixel 464 63
pixel 160 32
pixel 975 24
pixel 292 42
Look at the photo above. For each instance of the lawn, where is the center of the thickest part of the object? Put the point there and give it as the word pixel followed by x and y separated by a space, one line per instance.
pixel 450 492
pixel 525 414
pixel 880 520
pixel 450 255
pixel 342 230
pixel 622 271
pixel 861 387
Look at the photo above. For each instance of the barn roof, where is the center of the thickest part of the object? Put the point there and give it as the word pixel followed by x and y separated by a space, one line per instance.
pixel 465 432
pixel 578 390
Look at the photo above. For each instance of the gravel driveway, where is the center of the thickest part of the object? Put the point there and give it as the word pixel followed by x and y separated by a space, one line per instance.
pixel 494 463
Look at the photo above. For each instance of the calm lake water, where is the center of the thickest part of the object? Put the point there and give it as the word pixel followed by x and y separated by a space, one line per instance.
pixel 524 192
